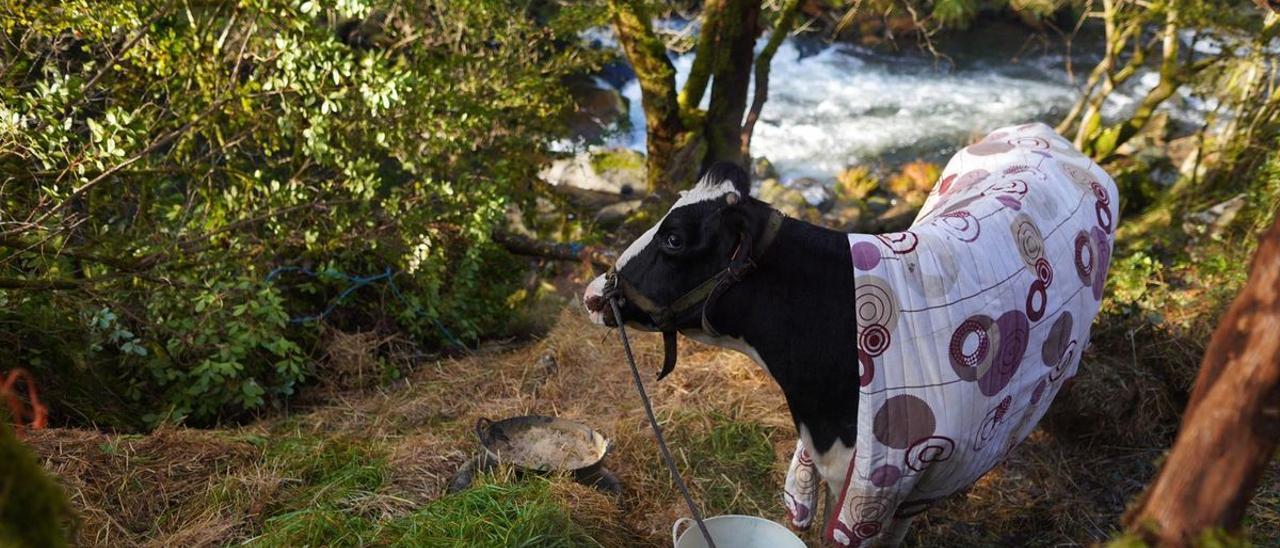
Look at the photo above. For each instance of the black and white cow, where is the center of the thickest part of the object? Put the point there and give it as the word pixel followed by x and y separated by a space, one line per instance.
pixel 912 362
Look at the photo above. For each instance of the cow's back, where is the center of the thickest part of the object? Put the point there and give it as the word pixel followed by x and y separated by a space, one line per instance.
pixel 970 321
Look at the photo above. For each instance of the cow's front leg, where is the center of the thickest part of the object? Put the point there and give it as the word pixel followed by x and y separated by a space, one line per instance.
pixel 800 492
pixel 897 532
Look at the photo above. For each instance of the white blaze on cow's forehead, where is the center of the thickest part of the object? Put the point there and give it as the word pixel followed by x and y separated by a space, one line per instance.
pixel 637 246
pixel 704 191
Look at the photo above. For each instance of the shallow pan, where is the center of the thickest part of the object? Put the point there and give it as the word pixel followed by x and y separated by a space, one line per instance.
pixel 543 444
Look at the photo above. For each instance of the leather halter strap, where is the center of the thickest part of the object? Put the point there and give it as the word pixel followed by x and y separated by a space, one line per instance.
pixel 741 263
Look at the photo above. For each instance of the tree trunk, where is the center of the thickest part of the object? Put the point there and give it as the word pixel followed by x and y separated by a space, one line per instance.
pixel 681 139
pixel 1232 424
pixel 569 252
pixel 734 45
pixel 666 130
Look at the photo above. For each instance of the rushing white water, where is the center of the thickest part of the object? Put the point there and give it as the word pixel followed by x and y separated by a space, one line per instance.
pixel 835 106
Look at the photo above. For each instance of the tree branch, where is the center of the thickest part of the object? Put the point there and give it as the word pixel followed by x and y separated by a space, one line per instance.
pixel 521 245
pixel 786 19
pixel 37 285
pixel 155 145
pixel 648 56
pixel 705 54
pixel 1231 427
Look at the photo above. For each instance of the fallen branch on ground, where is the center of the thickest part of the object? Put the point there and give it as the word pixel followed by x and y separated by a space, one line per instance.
pixel 573 252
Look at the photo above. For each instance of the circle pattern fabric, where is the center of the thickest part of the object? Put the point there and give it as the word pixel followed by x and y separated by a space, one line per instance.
pixel 967 329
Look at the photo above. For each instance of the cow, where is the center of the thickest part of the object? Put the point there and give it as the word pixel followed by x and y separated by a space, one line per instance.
pixel 912 362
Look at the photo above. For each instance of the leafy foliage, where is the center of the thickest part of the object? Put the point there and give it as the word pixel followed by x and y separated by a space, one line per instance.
pixel 159 159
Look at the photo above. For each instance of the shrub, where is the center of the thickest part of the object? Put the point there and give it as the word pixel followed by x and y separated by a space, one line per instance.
pixel 33 508
pixel 160 159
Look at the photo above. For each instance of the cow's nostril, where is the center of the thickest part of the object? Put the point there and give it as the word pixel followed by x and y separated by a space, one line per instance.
pixel 595 303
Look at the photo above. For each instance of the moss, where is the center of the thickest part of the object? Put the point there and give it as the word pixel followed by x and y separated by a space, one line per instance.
pixel 617 160
pixel 32 506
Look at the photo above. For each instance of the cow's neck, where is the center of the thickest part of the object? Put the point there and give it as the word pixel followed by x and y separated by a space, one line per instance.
pixel 796 314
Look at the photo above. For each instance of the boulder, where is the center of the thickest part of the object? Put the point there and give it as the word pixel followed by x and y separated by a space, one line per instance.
pixel 815 193
pixel 843 217
pixel 623 168
pixel 1212 222
pixel 804 198
pixel 762 169
pixel 618 171
pixel 614 215
pixel 786 200
pixel 597 107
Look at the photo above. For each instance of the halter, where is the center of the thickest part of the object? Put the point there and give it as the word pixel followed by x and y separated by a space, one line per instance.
pixel 741 263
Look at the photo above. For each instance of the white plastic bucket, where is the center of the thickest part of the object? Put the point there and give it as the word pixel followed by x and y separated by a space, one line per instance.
pixel 735 532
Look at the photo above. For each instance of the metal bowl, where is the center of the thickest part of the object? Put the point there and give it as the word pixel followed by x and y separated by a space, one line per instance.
pixel 543 444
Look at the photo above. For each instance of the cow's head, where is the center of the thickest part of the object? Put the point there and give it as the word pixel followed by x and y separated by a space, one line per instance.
pixel 710 228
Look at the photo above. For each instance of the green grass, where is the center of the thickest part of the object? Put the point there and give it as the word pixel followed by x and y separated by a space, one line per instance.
pixel 335 500
pixel 492 513
pixel 731 463
pixel 329 480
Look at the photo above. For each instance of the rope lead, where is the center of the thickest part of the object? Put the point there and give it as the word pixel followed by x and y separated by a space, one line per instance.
pixel 657 430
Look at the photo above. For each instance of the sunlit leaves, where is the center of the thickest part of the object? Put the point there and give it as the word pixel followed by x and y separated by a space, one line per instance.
pixel 244 135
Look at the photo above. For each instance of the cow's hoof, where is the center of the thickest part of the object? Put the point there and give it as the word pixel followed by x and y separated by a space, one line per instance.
pixel 797 527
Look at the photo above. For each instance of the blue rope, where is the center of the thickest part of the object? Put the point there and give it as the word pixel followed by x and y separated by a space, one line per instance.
pixel 356 282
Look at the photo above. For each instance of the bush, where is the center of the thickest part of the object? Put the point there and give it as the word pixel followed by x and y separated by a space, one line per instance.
pixel 33 508
pixel 161 159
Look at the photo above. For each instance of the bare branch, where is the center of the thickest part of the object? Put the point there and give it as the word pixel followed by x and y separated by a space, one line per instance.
pixel 786 19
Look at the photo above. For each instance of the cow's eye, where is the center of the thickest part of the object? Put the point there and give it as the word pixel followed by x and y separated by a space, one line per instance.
pixel 673 242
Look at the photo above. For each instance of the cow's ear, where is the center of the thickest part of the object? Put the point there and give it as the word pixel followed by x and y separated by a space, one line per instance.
pixel 735 219
pixel 729 171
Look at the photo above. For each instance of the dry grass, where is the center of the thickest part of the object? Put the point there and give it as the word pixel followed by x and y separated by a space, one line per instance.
pixel 140 490
pixel 394 449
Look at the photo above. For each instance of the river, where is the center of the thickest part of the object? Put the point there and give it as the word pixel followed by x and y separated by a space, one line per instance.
pixel 832 106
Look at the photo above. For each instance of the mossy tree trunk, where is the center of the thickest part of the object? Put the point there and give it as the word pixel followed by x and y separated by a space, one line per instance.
pixel 657 77
pixel 33 508
pixel 732 48
pixel 682 138
pixel 1231 427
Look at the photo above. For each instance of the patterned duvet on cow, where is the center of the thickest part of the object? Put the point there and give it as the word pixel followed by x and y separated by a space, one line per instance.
pixel 969 322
